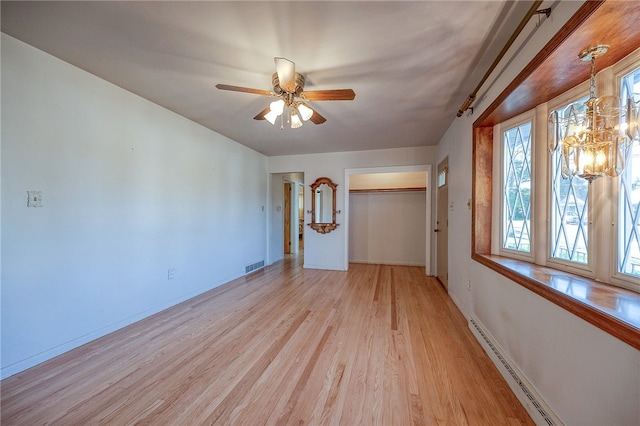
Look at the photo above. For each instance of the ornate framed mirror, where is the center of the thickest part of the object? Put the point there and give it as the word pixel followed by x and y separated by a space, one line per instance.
pixel 323 205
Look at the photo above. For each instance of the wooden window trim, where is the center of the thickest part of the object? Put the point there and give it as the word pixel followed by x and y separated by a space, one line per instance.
pixel 533 86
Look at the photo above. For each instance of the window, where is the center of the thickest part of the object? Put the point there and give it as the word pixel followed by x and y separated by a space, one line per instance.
pixel 629 190
pixel 575 228
pixel 442 178
pixel 569 208
pixel 516 196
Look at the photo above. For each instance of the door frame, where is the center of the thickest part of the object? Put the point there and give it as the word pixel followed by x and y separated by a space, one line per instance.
pixel 442 206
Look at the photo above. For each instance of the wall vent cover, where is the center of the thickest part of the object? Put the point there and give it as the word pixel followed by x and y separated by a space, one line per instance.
pixel 254 266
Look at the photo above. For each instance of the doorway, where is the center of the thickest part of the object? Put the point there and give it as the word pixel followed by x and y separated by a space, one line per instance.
pixel 286 211
pixel 292 185
pixel 382 186
pixel 285 206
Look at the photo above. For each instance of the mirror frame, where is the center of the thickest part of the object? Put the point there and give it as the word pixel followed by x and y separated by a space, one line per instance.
pixel 323 228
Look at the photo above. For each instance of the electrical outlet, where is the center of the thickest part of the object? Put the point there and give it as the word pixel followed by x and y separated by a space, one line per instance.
pixel 469 285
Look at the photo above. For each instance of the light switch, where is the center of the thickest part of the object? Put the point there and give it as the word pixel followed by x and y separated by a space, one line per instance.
pixel 34 198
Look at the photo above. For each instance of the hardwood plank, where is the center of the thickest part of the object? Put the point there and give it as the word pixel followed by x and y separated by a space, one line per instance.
pixel 378 344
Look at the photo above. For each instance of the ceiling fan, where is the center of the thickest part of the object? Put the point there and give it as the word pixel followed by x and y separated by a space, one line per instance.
pixel 288 85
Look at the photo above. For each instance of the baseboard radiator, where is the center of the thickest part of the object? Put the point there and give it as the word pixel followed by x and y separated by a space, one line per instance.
pixel 539 411
pixel 254 267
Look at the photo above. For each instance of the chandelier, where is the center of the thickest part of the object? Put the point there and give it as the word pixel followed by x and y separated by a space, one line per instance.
pixel 592 138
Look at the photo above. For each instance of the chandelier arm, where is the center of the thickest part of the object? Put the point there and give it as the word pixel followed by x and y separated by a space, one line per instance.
pixel 592 86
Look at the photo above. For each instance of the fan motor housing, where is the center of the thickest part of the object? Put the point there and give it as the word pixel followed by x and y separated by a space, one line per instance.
pixel 299 79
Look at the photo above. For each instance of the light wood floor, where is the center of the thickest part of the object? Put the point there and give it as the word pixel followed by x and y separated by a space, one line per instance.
pixel 378 345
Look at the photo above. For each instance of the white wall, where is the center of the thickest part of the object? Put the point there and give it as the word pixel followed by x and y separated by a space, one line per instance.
pixel 130 190
pixel 327 251
pixel 585 375
pixel 387 227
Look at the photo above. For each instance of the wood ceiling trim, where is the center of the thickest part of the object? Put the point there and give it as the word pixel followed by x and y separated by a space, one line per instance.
pixel 557 68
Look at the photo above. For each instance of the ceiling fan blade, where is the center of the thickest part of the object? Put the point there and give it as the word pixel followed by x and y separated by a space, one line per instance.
pixel 261 114
pixel 316 118
pixel 329 95
pixel 286 74
pixel 244 90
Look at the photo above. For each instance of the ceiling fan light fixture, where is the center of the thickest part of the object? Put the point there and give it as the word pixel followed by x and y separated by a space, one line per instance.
pixel 271 117
pixel 288 86
pixel 295 120
pixel 277 107
pixel 305 112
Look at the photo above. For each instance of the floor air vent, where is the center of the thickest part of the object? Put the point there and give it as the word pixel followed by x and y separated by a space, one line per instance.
pixel 253 267
pixel 524 391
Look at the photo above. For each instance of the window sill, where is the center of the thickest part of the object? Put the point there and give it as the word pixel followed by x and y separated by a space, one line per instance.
pixel 612 309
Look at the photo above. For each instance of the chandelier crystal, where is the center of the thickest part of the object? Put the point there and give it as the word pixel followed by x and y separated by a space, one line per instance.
pixel 590 137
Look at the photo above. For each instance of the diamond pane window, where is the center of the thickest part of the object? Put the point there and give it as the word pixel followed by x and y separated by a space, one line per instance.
pixel 516 197
pixel 629 198
pixel 569 207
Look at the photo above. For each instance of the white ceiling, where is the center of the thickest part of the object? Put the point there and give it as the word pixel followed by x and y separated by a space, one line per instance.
pixel 411 63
